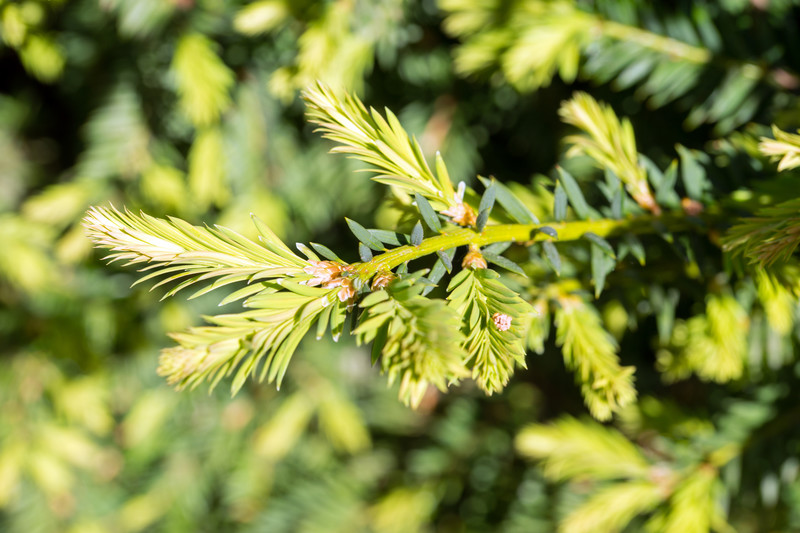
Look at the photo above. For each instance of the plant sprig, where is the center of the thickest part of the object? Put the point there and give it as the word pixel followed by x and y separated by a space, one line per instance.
pixel 477 329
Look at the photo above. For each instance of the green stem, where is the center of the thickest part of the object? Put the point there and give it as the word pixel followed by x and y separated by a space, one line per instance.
pixel 523 233
pixel 695 54
pixel 666 45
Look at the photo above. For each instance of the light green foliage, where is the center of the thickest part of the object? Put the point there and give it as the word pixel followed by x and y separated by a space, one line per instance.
pixel 381 143
pixel 785 148
pixel 21 28
pixel 50 448
pixel 269 332
pixel 778 302
pixel 717 341
pixel 42 57
pixel 693 506
pixel 338 46
pixel 117 137
pixel 626 483
pixel 539 326
pixel 529 42
pixel 712 345
pixel 191 109
pixel 410 507
pixel 771 236
pixel 331 52
pixel 262 16
pixel 207 169
pixel 612 508
pixel 178 248
pixel 267 335
pixel 203 81
pixel 26 262
pixel 572 449
pixel 166 185
pixel 591 352
pixel 478 296
pixel 418 339
pixel 610 142
pixel 555 30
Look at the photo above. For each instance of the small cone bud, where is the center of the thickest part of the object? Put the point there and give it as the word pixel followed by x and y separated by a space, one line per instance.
pixel 502 321
pixel 461 214
pixel 382 279
pixel 691 207
pixel 474 259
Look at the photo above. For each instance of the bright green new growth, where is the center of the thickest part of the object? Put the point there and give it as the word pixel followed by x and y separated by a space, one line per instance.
pixel 771 236
pixel 785 148
pixel 591 352
pixel 711 345
pixel 268 334
pixel 630 483
pixel 202 78
pixel 382 143
pixel 610 143
pixel 556 30
pixel 479 328
pixel 416 338
pixel 495 347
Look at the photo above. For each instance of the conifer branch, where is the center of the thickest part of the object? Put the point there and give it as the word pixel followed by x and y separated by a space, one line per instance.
pixel 675 49
pixel 583 450
pixel 677 498
pixel 203 80
pixel 479 329
pixel 532 41
pixel 773 234
pixel 267 335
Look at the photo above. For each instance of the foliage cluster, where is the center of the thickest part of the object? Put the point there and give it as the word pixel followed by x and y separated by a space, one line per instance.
pixel 602 336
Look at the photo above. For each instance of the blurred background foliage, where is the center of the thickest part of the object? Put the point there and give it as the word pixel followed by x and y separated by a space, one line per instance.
pixel 190 108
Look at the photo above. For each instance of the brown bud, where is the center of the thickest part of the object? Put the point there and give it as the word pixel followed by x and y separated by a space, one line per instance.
pixel 461 214
pixel 691 207
pixel 323 272
pixel 474 259
pixel 641 193
pixel 382 279
pixel 346 292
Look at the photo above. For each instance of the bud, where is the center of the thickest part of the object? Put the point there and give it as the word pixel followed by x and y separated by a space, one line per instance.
pixel 461 214
pixel 691 207
pixel 347 292
pixel 474 259
pixel 323 272
pixel 502 321
pixel 641 193
pixel 382 279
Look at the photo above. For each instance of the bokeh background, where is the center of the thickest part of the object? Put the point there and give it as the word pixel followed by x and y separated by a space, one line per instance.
pixel 191 108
